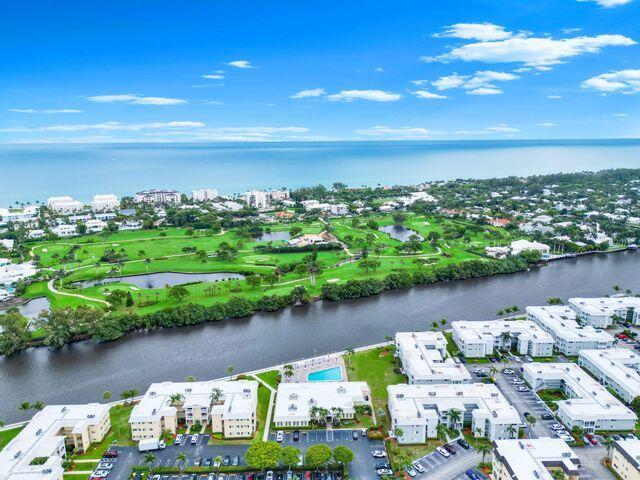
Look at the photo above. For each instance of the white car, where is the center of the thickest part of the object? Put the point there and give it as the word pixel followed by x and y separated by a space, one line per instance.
pixel 384 471
pixel 194 439
pixel 556 426
pixel 443 452
pixel 418 467
pixel 379 454
pixel 508 371
pixel 280 436
pixel 104 466
pixel 522 388
pixel 179 438
pixel 517 381
pixel 410 471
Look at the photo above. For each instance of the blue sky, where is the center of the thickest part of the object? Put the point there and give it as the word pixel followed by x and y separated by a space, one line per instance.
pixel 158 71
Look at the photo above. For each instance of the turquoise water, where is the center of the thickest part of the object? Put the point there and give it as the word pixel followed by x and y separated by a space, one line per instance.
pixel 35 172
pixel 333 374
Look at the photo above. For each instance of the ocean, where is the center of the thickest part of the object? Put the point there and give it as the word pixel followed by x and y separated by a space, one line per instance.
pixel 29 173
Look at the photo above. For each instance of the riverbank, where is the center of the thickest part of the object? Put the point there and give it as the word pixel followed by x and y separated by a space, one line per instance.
pixel 80 372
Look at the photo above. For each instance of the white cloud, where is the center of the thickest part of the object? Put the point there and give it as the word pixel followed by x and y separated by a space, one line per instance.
pixel 130 127
pixel 314 92
pixel 250 134
pixel 546 124
pixel 213 76
pixel 623 81
pixel 569 31
pixel 484 91
pixel 48 111
pixel 241 64
pixel 419 83
pixel 372 95
pixel 379 70
pixel 135 99
pixel 475 31
pixel 608 3
pixel 503 128
pixel 400 132
pixel 479 83
pixel 531 51
pixel 554 97
pixel 620 115
pixel 428 95
pixel 214 102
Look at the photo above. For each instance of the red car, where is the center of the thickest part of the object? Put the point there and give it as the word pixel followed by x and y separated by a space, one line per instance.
pixel 621 336
pixel 592 439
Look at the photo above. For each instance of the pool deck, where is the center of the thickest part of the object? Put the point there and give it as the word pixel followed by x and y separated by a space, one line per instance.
pixel 301 370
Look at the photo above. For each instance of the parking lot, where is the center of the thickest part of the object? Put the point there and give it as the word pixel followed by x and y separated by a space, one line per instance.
pixel 363 465
pixel 454 466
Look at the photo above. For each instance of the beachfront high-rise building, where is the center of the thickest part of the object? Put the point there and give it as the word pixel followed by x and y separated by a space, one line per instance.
pixel 105 203
pixel 64 205
pixel 204 194
pixel 257 199
pixel 158 196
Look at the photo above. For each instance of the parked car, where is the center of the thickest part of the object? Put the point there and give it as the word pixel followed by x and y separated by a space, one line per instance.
pixel 379 454
pixel 508 371
pixel 443 452
pixel 179 438
pixel 592 440
pixel 384 471
pixel 208 462
pixel 279 437
pixel 194 439
pixel 296 435
pixel 110 454
pixel 197 461
pixel 546 416
pixel 410 471
pixel 354 435
pixel 522 389
pixel 235 461
pixel 472 475
pixel 463 443
pixel 226 460
pixel 380 465
pixel 557 426
pixel 418 466
pixel 269 475
pixel 450 448
pixel 517 381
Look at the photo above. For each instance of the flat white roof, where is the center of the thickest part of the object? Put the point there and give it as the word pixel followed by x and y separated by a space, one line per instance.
pixel 470 331
pixel 592 401
pixel 604 305
pixel 294 400
pixel 527 459
pixel 562 321
pixel 239 398
pixel 631 450
pixel 619 364
pixel 414 404
pixel 425 356
pixel 40 438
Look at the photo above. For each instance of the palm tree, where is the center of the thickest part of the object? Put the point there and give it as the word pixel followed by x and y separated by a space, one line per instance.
pixel 512 431
pixel 287 370
pixel 176 398
pixel 454 418
pixel 443 322
pixel 24 406
pixel 608 442
pixel 505 339
pixel 106 396
pixel 434 325
pixel 531 421
pixel 230 370
pixel 38 405
pixel 398 432
pixel 182 460
pixel 191 378
pixel 216 395
pixel 149 458
pixel 441 431
pixel 483 448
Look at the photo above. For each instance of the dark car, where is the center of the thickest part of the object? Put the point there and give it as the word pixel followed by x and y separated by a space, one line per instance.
pixel 207 462
pixel 226 460
pixel 380 465
pixel 450 448
pixel 296 435
pixel 240 476
pixel 546 416
pixel 110 454
pixel 472 475
pixel 463 443
pixel 279 476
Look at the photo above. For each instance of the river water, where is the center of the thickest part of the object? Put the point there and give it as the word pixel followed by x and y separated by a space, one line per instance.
pixel 81 372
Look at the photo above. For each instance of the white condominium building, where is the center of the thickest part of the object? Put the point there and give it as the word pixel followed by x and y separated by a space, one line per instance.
pixel 94 225
pixel 569 336
pixel 478 339
pixel 339 209
pixel 532 459
pixel 65 230
pixel 600 312
pixel 589 406
pixel 616 368
pixel 204 194
pixel 295 401
pixel 38 451
pixel 23 215
pixel 229 407
pixel 257 199
pixel 64 205
pixel 625 459
pixel 105 203
pixel 425 359
pixel 418 409
pixel 158 196
pixel 279 195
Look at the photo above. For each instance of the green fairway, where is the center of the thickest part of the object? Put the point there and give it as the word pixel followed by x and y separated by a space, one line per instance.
pixel 173 250
pixel 7 435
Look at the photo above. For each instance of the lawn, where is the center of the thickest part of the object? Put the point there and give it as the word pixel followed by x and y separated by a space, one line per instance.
pixel 272 378
pixel 376 367
pixel 120 432
pixel 551 396
pixel 7 435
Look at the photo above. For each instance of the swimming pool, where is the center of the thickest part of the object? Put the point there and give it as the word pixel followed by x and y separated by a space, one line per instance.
pixel 333 374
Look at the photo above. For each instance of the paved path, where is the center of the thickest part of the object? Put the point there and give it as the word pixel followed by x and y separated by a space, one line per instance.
pixel 53 290
pixel 272 397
